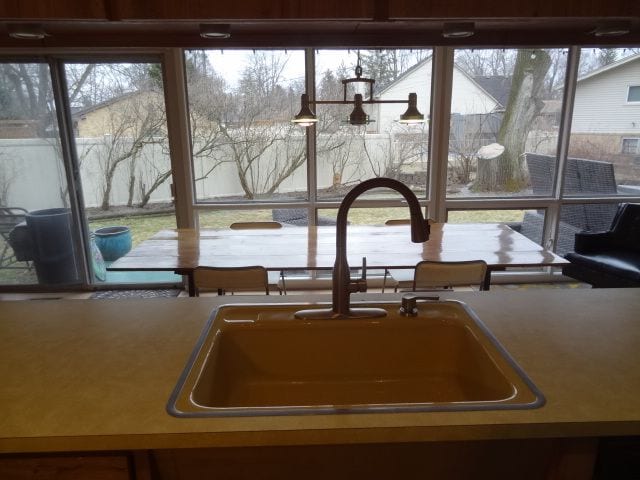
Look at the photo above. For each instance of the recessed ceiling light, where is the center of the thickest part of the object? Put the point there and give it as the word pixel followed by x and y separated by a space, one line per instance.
pixel 458 30
pixel 611 29
pixel 211 30
pixel 26 31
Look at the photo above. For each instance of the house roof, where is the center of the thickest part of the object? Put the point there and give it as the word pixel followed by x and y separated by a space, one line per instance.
pixel 80 111
pixel 404 74
pixel 497 86
pixel 611 66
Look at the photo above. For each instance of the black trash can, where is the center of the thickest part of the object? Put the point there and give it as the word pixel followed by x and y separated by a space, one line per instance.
pixel 52 244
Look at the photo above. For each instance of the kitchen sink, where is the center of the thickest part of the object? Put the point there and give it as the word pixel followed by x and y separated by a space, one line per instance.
pixel 260 360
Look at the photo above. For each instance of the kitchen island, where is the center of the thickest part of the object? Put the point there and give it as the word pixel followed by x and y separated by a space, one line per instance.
pixel 95 376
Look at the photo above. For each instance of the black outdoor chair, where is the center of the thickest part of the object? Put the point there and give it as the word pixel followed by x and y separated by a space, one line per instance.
pixel 611 258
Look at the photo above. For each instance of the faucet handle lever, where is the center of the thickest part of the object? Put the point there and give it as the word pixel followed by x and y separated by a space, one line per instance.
pixel 409 308
pixel 360 284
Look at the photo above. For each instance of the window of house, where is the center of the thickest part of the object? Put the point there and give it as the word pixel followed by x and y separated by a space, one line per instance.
pixel 634 94
pixel 630 146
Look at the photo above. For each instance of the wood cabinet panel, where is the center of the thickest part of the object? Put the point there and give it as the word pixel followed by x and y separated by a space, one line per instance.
pixel 247 9
pixel 529 459
pixel 65 467
pixel 53 9
pixel 419 9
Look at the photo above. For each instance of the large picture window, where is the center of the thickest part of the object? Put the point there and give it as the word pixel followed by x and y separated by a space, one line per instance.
pixel 244 146
pixel 505 110
pixel 527 133
pixel 384 147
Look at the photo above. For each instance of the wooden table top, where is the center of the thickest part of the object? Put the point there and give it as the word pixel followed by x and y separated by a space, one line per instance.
pixel 314 248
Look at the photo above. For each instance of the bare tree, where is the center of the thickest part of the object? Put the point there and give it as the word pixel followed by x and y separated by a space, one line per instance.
pixel 506 172
pixel 265 147
pixel 209 102
pixel 8 174
pixel 131 122
pixel 386 65
pixel 486 63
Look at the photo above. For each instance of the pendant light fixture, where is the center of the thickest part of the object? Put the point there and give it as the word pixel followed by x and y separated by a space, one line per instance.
pixel 358 116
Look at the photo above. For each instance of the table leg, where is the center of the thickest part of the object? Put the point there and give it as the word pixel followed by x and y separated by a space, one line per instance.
pixel 486 283
pixel 191 284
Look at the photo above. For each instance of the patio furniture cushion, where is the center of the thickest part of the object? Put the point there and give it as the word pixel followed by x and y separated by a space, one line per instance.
pixel 623 264
pixel 612 258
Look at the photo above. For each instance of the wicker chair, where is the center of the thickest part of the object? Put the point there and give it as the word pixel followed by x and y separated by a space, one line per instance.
pixel 10 251
pixel 582 177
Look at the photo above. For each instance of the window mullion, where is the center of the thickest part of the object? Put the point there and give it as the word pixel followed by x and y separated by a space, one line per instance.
pixel 311 132
pixel 441 89
pixel 552 217
pixel 178 135
pixel 80 228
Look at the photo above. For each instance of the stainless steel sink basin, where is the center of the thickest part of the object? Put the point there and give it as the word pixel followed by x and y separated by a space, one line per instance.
pixel 260 360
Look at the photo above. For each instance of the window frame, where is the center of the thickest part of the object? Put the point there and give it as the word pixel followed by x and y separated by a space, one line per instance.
pixel 631 88
pixel 635 140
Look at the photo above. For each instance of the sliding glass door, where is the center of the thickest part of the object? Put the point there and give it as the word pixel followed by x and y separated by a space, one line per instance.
pixel 119 129
pixel 85 172
pixel 39 242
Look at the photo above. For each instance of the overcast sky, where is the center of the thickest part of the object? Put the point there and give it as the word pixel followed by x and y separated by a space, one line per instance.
pixel 231 63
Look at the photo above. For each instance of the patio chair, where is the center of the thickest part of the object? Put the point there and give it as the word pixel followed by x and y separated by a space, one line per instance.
pixel 274 277
pixel 431 275
pixel 609 259
pixel 401 278
pixel 582 177
pixel 376 278
pixel 10 217
pixel 252 225
pixel 398 221
pixel 230 279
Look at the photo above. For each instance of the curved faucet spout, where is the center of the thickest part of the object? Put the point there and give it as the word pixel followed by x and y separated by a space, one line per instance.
pixel 342 284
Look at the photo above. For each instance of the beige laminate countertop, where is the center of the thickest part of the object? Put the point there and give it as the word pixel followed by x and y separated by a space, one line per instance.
pixel 97 374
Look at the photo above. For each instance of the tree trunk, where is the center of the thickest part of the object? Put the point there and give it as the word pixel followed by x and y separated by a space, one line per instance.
pixel 146 194
pixel 106 193
pixel 506 172
pixel 132 181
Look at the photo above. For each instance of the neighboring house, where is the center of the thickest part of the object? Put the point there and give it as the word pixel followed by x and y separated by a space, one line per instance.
pixel 469 98
pixel 476 106
pixel 15 128
pixel 126 115
pixel 606 117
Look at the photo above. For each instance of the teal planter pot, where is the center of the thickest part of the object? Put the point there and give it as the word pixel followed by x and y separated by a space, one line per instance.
pixel 113 242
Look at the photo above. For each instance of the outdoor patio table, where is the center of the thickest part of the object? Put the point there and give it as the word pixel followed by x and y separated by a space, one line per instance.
pixel 313 248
